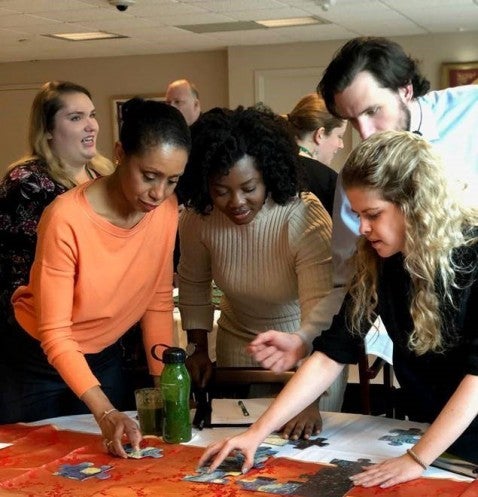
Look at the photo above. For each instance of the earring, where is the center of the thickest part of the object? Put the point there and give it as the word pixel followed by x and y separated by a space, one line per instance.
pixel 116 162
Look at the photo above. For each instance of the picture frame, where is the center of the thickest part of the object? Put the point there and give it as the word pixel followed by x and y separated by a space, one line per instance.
pixel 117 104
pixel 459 73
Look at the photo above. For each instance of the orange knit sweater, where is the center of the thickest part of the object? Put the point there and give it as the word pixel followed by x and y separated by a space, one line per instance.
pixel 91 281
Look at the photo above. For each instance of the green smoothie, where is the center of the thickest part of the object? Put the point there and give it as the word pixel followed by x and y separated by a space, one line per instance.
pixel 151 420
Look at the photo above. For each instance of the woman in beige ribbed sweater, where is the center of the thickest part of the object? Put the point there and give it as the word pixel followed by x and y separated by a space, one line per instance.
pixel 249 228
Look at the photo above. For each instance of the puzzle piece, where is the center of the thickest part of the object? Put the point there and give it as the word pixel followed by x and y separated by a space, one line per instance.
pixel 219 477
pixel 332 481
pixel 400 437
pixel 153 452
pixel 234 462
pixel 305 444
pixel 352 467
pixel 262 454
pixel 276 439
pixel 269 485
pixel 83 471
pixel 231 466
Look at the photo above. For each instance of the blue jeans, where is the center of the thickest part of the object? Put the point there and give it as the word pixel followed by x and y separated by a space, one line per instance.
pixel 31 389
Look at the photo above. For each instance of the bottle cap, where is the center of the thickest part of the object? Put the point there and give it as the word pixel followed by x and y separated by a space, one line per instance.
pixel 174 355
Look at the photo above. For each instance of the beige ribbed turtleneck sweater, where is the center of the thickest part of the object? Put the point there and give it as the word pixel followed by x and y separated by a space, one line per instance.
pixel 272 271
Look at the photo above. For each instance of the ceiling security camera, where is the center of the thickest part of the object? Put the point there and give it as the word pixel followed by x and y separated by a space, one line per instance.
pixel 122 5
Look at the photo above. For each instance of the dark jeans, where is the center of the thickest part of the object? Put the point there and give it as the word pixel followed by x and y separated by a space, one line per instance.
pixel 31 389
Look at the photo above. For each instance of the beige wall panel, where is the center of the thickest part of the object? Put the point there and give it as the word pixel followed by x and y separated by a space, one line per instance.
pixel 280 89
pixel 15 103
pixel 105 78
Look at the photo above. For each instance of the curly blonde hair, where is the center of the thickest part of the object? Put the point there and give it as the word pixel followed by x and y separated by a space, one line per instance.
pixel 405 170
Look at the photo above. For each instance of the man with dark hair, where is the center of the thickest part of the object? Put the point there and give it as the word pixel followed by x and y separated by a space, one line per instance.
pixel 376 86
pixel 183 95
pixel 382 63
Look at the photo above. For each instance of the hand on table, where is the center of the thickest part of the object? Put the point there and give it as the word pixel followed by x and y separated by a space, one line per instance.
pixel 388 473
pixel 200 368
pixel 277 351
pixel 215 453
pixel 306 423
pixel 113 427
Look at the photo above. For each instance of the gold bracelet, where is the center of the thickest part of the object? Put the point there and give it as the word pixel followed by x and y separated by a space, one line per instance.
pixel 106 413
pixel 417 459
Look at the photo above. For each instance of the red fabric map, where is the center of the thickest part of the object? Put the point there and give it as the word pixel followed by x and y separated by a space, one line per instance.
pixel 27 469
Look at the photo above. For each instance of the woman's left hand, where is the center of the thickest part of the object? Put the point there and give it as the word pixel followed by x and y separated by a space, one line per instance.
pixel 200 368
pixel 388 473
pixel 306 423
pixel 117 426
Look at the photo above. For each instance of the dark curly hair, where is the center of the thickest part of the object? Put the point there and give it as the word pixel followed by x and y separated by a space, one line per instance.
pixel 221 137
pixel 384 59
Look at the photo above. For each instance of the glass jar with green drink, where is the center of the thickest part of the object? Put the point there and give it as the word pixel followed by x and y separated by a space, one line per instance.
pixel 149 404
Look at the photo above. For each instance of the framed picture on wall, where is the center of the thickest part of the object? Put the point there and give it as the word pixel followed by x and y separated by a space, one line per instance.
pixel 116 106
pixel 460 73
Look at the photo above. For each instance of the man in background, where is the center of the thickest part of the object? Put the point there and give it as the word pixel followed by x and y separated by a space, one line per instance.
pixel 183 95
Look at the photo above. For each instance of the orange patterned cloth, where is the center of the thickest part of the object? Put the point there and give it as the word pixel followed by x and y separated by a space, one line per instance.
pixel 27 469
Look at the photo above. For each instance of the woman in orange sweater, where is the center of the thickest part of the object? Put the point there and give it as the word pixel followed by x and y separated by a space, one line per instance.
pixel 103 262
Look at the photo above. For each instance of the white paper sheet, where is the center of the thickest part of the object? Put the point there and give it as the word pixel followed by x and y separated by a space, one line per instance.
pixel 230 412
pixel 378 343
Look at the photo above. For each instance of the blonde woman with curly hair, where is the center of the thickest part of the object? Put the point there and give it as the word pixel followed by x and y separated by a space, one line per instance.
pixel 416 268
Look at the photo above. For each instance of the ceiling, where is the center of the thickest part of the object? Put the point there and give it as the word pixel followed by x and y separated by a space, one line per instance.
pixel 151 25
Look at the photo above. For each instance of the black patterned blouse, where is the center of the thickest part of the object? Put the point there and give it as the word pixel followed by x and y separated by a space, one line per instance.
pixel 24 193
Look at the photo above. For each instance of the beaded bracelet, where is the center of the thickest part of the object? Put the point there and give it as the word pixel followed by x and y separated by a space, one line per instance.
pixel 106 413
pixel 417 459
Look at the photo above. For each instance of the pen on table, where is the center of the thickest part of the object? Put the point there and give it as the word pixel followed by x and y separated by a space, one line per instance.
pixel 244 410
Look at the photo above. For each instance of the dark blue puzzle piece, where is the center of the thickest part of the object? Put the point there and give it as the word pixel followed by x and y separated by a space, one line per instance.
pixel 305 444
pixel 400 437
pixel 83 471
pixel 269 485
